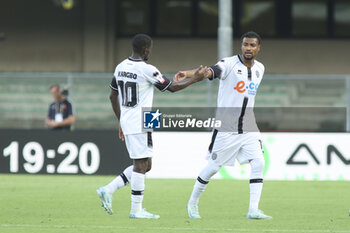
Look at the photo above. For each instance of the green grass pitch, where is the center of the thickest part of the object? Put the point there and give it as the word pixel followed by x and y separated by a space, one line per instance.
pixel 46 204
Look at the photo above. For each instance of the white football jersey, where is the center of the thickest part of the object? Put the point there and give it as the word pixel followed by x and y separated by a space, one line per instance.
pixel 236 96
pixel 134 80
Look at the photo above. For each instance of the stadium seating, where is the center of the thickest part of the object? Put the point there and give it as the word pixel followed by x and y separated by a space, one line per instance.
pixel 25 98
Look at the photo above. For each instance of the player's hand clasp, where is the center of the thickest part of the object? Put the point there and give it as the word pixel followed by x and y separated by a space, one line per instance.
pixel 201 73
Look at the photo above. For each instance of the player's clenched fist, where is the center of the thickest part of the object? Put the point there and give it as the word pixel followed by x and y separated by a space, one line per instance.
pixel 181 75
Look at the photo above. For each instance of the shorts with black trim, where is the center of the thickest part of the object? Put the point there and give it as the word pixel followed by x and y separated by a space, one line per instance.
pixel 226 147
pixel 139 146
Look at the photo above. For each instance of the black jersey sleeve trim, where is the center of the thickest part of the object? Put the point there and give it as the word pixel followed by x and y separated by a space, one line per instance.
pixel 216 70
pixel 116 89
pixel 113 85
pixel 212 74
pixel 163 86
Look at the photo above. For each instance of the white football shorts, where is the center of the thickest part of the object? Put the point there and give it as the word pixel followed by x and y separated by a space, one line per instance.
pixel 226 147
pixel 139 146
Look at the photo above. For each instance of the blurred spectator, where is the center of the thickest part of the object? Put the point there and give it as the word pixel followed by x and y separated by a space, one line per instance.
pixel 60 116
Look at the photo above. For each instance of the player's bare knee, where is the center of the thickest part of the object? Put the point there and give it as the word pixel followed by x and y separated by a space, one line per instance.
pixel 149 165
pixel 140 169
pixel 140 165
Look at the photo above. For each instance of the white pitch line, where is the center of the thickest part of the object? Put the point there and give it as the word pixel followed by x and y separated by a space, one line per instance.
pixel 171 228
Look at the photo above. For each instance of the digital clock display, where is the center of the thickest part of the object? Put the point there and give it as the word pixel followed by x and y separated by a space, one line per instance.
pixel 34 156
pixel 54 152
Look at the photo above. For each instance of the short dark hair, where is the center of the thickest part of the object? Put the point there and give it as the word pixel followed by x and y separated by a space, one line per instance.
pixel 55 86
pixel 251 34
pixel 140 42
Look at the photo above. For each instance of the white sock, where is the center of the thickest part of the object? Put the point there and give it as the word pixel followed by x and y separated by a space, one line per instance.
pixel 202 182
pixel 256 183
pixel 137 189
pixel 198 189
pixel 120 181
pixel 255 193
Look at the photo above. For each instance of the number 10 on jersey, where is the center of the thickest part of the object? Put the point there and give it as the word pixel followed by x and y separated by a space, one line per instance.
pixel 129 93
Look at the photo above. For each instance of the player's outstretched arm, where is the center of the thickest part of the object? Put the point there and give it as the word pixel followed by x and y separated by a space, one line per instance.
pixel 198 75
pixel 181 75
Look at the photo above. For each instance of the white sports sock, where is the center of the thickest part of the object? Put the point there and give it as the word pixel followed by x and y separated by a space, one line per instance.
pixel 255 193
pixel 128 172
pixel 198 189
pixel 120 181
pixel 256 183
pixel 202 182
pixel 137 189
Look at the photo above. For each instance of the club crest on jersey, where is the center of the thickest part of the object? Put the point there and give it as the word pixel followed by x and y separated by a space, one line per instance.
pixel 239 71
pixel 257 74
pixel 151 119
pixel 251 87
pixel 159 77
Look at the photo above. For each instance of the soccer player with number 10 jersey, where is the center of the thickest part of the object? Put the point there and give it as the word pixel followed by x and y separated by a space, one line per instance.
pixel 132 90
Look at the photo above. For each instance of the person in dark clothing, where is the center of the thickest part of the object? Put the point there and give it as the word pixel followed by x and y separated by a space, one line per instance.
pixel 60 115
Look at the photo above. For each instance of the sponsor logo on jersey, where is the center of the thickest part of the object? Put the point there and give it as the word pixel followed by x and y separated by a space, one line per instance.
pixel 151 119
pixel 251 87
pixel 159 77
